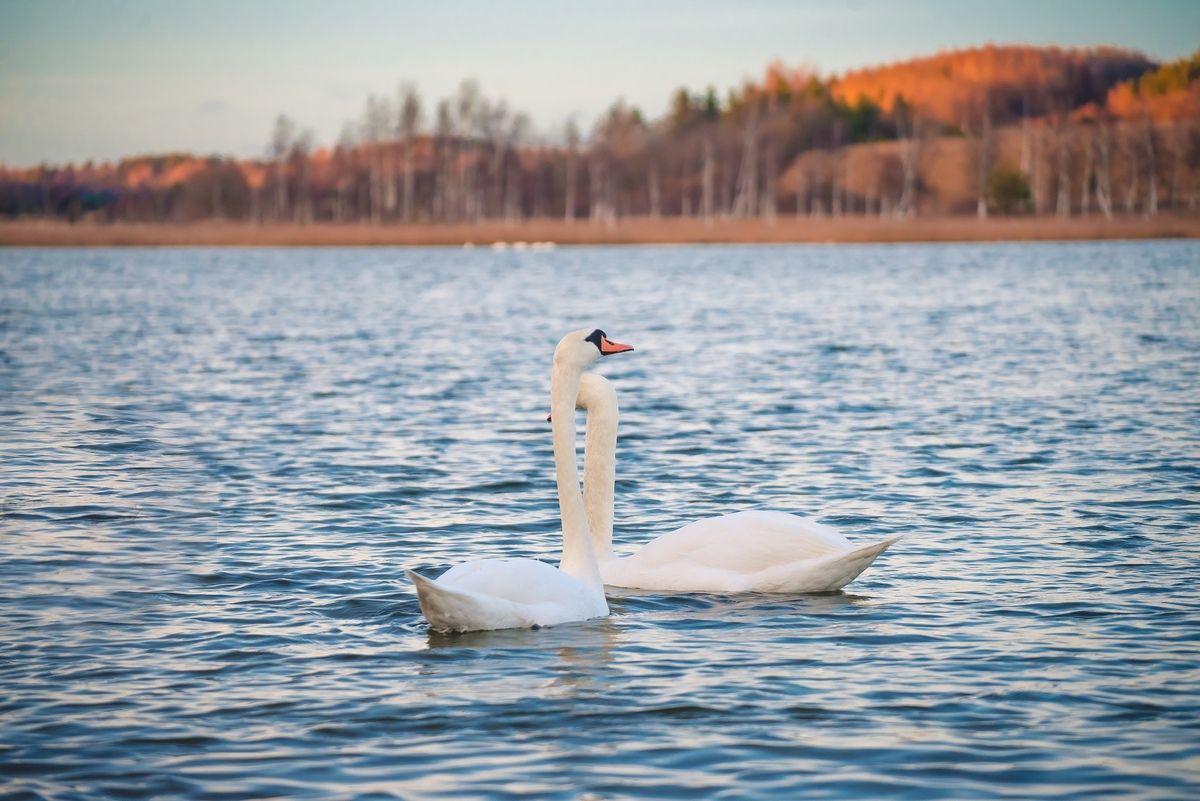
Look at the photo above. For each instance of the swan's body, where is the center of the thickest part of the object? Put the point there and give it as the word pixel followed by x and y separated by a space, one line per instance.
pixel 521 593
pixel 753 551
pixel 486 594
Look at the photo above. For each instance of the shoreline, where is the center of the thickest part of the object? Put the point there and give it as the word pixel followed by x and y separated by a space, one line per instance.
pixel 632 231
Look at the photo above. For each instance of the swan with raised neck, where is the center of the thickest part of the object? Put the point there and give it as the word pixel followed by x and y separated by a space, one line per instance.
pixel 520 593
pixel 750 551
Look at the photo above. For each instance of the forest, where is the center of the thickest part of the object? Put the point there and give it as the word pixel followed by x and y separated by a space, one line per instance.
pixel 995 130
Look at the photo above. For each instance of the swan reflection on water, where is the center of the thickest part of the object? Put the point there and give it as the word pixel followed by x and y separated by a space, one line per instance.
pixel 580 655
pixel 601 634
pixel 633 609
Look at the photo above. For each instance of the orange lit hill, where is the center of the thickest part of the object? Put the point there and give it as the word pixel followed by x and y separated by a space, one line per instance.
pixel 1017 81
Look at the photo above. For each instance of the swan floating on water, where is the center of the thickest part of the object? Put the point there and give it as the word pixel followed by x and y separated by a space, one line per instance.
pixel 751 551
pixel 520 593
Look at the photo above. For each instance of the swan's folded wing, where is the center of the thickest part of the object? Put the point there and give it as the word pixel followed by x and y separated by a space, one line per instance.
pixel 745 552
pixel 743 543
pixel 522 581
pixel 503 594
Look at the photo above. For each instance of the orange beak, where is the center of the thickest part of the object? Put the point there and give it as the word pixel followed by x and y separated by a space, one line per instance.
pixel 608 347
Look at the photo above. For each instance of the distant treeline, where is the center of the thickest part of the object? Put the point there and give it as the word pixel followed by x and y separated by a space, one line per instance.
pixel 993 129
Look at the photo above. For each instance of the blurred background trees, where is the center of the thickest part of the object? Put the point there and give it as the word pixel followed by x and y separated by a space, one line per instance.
pixel 1000 130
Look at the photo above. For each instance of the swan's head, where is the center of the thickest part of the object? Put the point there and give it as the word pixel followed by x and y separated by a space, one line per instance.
pixel 580 349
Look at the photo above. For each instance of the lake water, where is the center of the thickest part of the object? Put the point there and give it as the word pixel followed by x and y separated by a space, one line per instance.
pixel 214 465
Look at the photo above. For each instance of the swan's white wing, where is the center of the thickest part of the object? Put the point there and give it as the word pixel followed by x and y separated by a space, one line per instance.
pixel 755 551
pixel 523 581
pixel 744 542
pixel 504 593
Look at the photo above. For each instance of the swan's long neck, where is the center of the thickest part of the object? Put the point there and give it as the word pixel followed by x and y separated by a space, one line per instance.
pixel 600 464
pixel 577 559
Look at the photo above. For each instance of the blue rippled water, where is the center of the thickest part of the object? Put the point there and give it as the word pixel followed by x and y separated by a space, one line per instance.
pixel 215 464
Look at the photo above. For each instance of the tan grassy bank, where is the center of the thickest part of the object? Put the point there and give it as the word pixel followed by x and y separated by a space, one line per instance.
pixel 629 231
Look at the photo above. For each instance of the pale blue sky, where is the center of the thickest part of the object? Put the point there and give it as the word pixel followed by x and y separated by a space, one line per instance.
pixel 86 79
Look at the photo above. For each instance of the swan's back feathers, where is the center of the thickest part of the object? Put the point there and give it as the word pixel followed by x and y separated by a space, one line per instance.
pixel 522 581
pixel 490 594
pixel 745 542
pixel 753 551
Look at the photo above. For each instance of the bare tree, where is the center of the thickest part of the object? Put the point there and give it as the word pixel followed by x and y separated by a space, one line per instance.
pixel 776 131
pixel 468 121
pixel 727 176
pixel 281 143
pixel 1151 166
pixel 1131 170
pixel 519 129
pixel 444 157
pixel 746 202
pixel 385 151
pixel 871 184
pixel 1192 160
pixel 344 158
pixel 655 190
pixel 301 156
pixel 495 129
pixel 836 169
pixel 983 156
pixel 1088 183
pixel 595 168
pixel 1038 178
pixel 802 189
pixel 816 207
pixel 255 180
pixel 572 139
pixel 214 169
pixel 408 124
pixel 618 147
pixel 1026 137
pixel 649 142
pixel 707 194
pixel 909 132
pixel 1177 149
pixel 374 129
pixel 770 196
pixel 1062 140
pixel 1103 144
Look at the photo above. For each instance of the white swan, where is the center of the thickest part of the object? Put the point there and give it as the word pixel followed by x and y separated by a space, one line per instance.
pixel 520 593
pixel 753 551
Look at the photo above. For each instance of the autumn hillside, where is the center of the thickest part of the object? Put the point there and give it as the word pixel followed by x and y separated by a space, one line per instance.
pixel 995 130
pixel 1012 82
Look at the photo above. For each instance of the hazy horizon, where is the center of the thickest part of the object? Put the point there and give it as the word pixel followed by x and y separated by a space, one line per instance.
pixel 106 80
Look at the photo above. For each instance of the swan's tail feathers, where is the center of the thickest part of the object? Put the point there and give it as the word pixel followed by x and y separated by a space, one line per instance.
pixel 449 609
pixel 424 586
pixel 441 606
pixel 825 574
pixel 846 567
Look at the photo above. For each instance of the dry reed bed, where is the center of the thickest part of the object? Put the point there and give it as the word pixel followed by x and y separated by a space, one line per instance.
pixel 629 231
